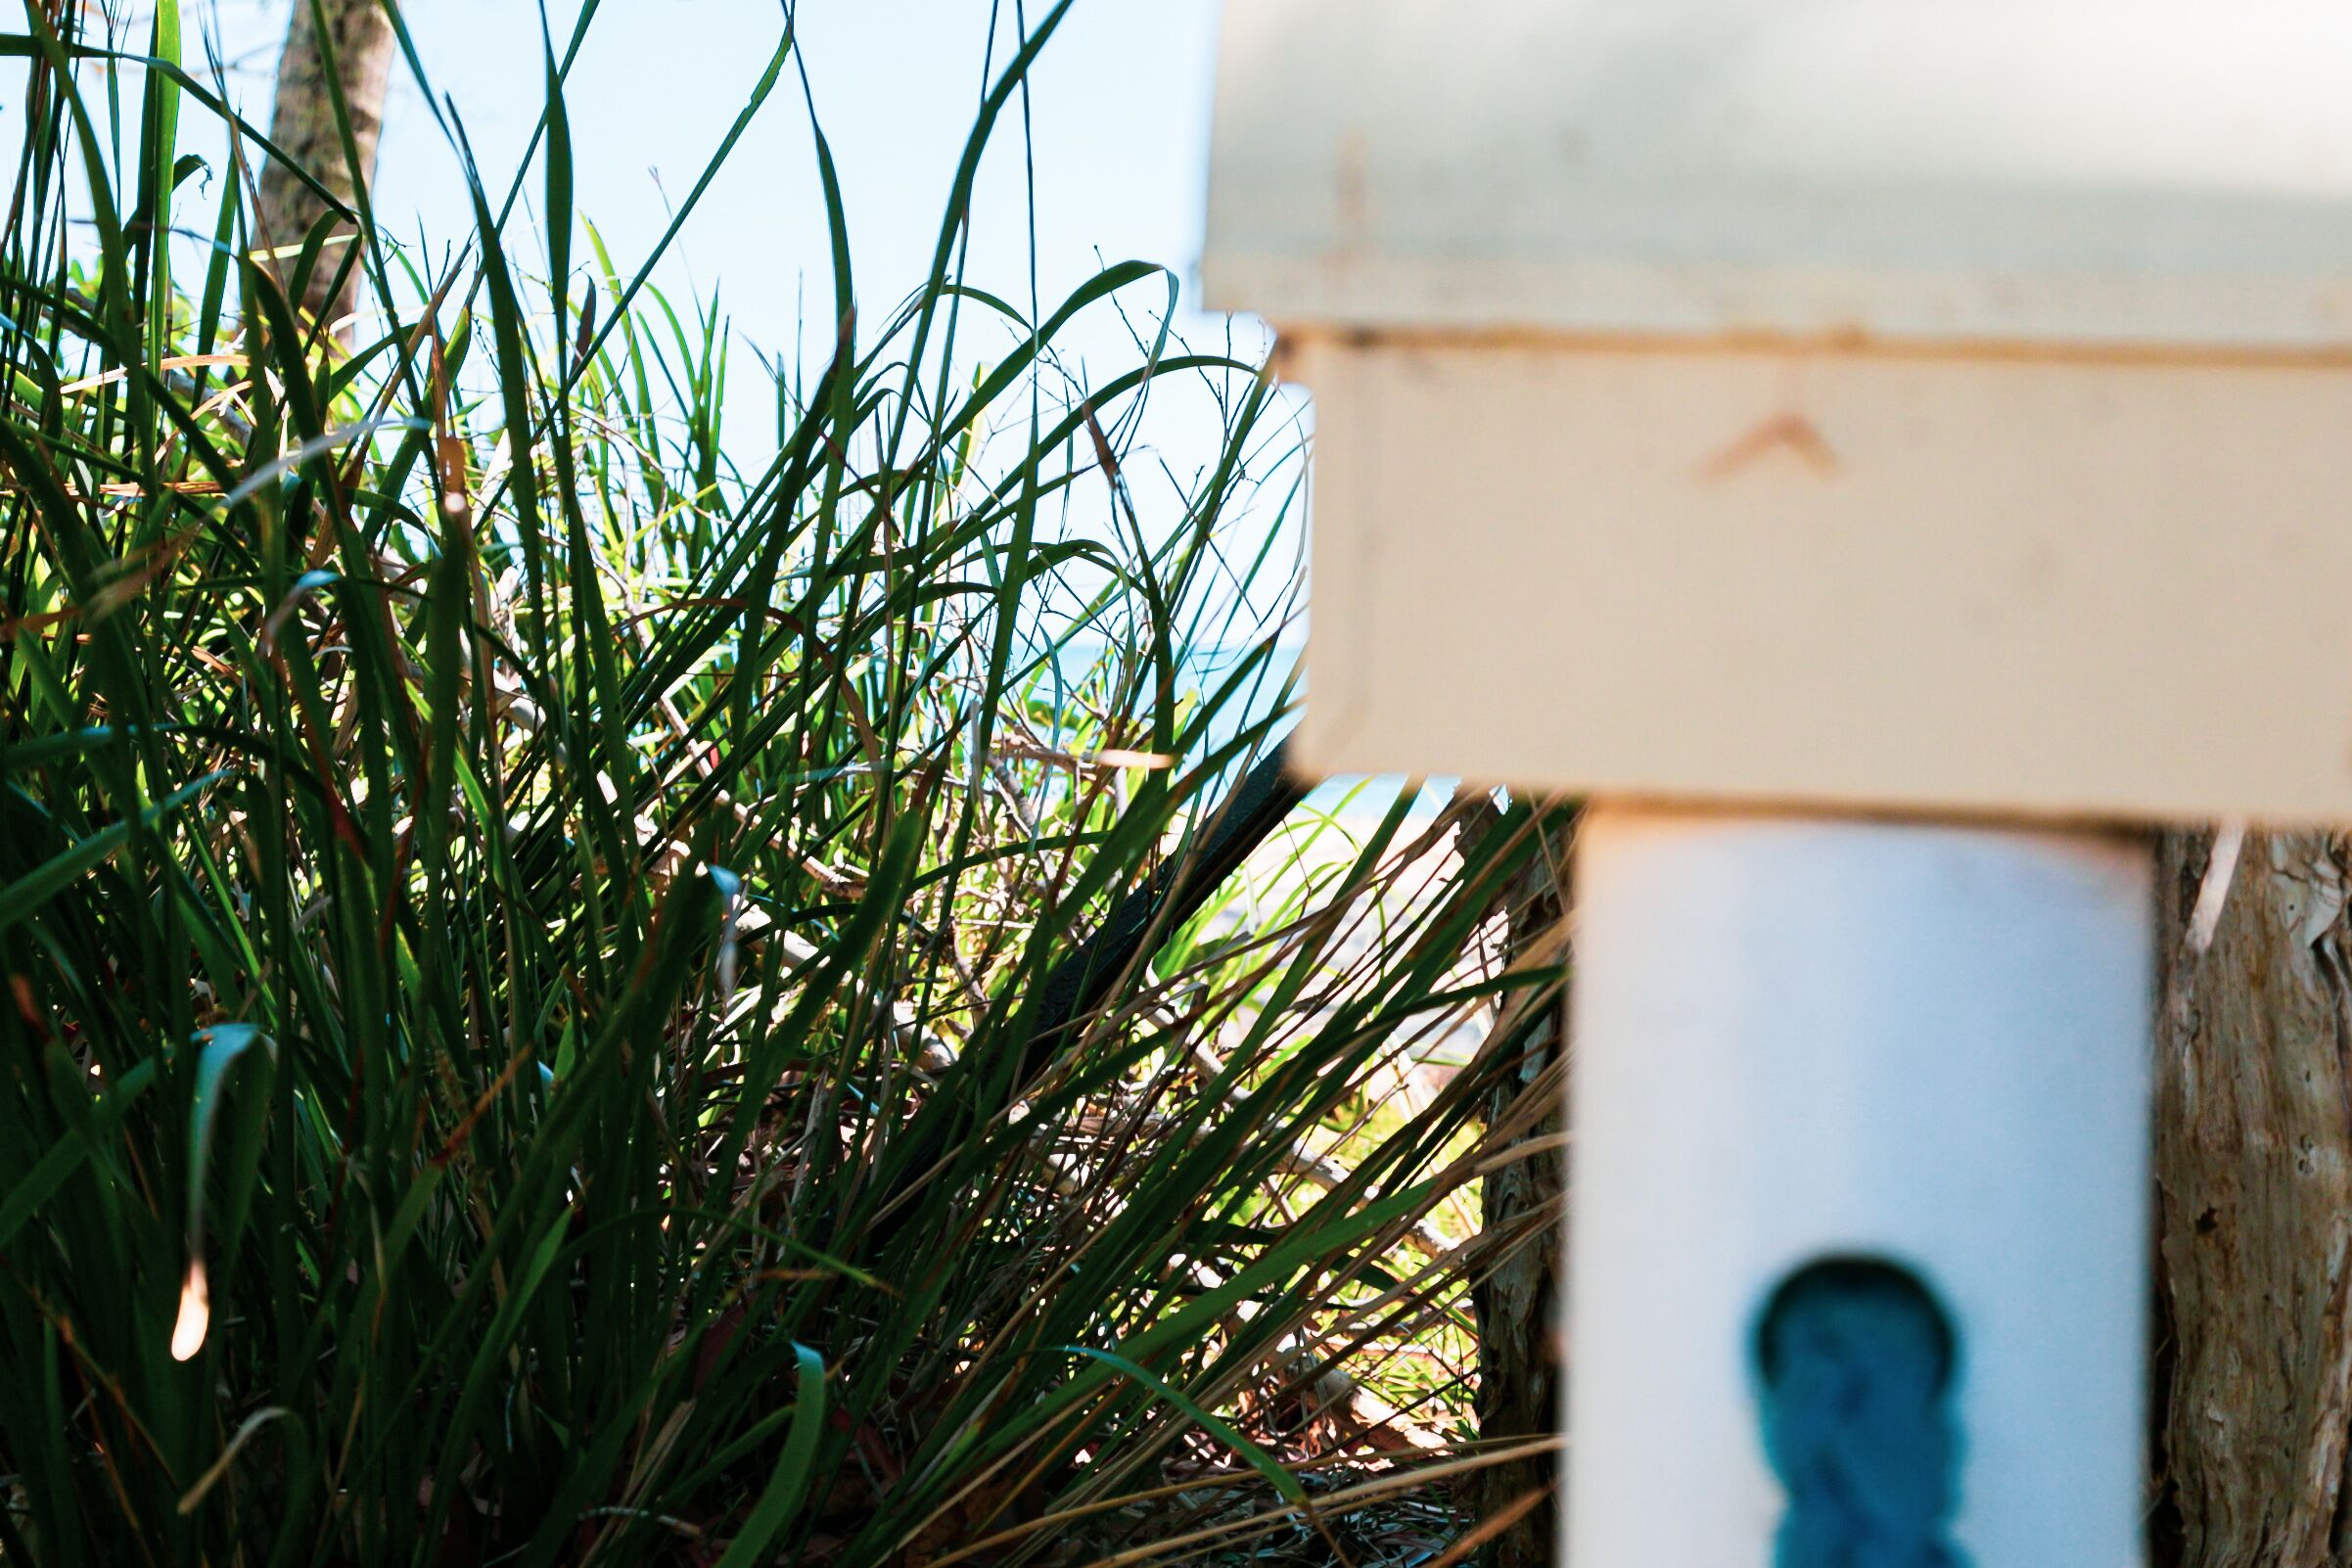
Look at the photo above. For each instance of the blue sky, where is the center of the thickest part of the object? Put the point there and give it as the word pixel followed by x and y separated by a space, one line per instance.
pixel 1119 117
pixel 1119 111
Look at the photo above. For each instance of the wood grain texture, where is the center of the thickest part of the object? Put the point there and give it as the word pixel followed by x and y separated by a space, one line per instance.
pixel 2254 1167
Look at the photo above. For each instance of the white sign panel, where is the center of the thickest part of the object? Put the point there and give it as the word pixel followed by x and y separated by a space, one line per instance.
pixel 1919 1049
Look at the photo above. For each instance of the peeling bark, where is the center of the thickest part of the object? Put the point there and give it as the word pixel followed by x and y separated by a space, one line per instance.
pixel 2255 1209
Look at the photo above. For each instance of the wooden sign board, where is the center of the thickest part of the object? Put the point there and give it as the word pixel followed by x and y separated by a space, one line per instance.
pixel 1924 405
pixel 1940 583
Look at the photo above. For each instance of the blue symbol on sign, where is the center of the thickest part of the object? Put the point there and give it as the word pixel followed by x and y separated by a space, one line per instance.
pixel 1856 1362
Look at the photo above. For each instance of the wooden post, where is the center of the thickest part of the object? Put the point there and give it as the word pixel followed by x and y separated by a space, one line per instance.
pixel 2253 1375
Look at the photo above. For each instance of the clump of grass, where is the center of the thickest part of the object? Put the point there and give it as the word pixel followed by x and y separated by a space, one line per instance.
pixel 568 1003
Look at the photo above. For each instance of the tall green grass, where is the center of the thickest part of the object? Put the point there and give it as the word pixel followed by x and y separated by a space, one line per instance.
pixel 570 1002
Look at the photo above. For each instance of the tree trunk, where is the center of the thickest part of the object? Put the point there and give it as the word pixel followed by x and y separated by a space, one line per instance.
pixel 1516 1300
pixel 304 123
pixel 1514 1291
pixel 2253 1378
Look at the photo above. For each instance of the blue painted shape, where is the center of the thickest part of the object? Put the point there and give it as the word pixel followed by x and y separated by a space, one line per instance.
pixel 1854 1361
